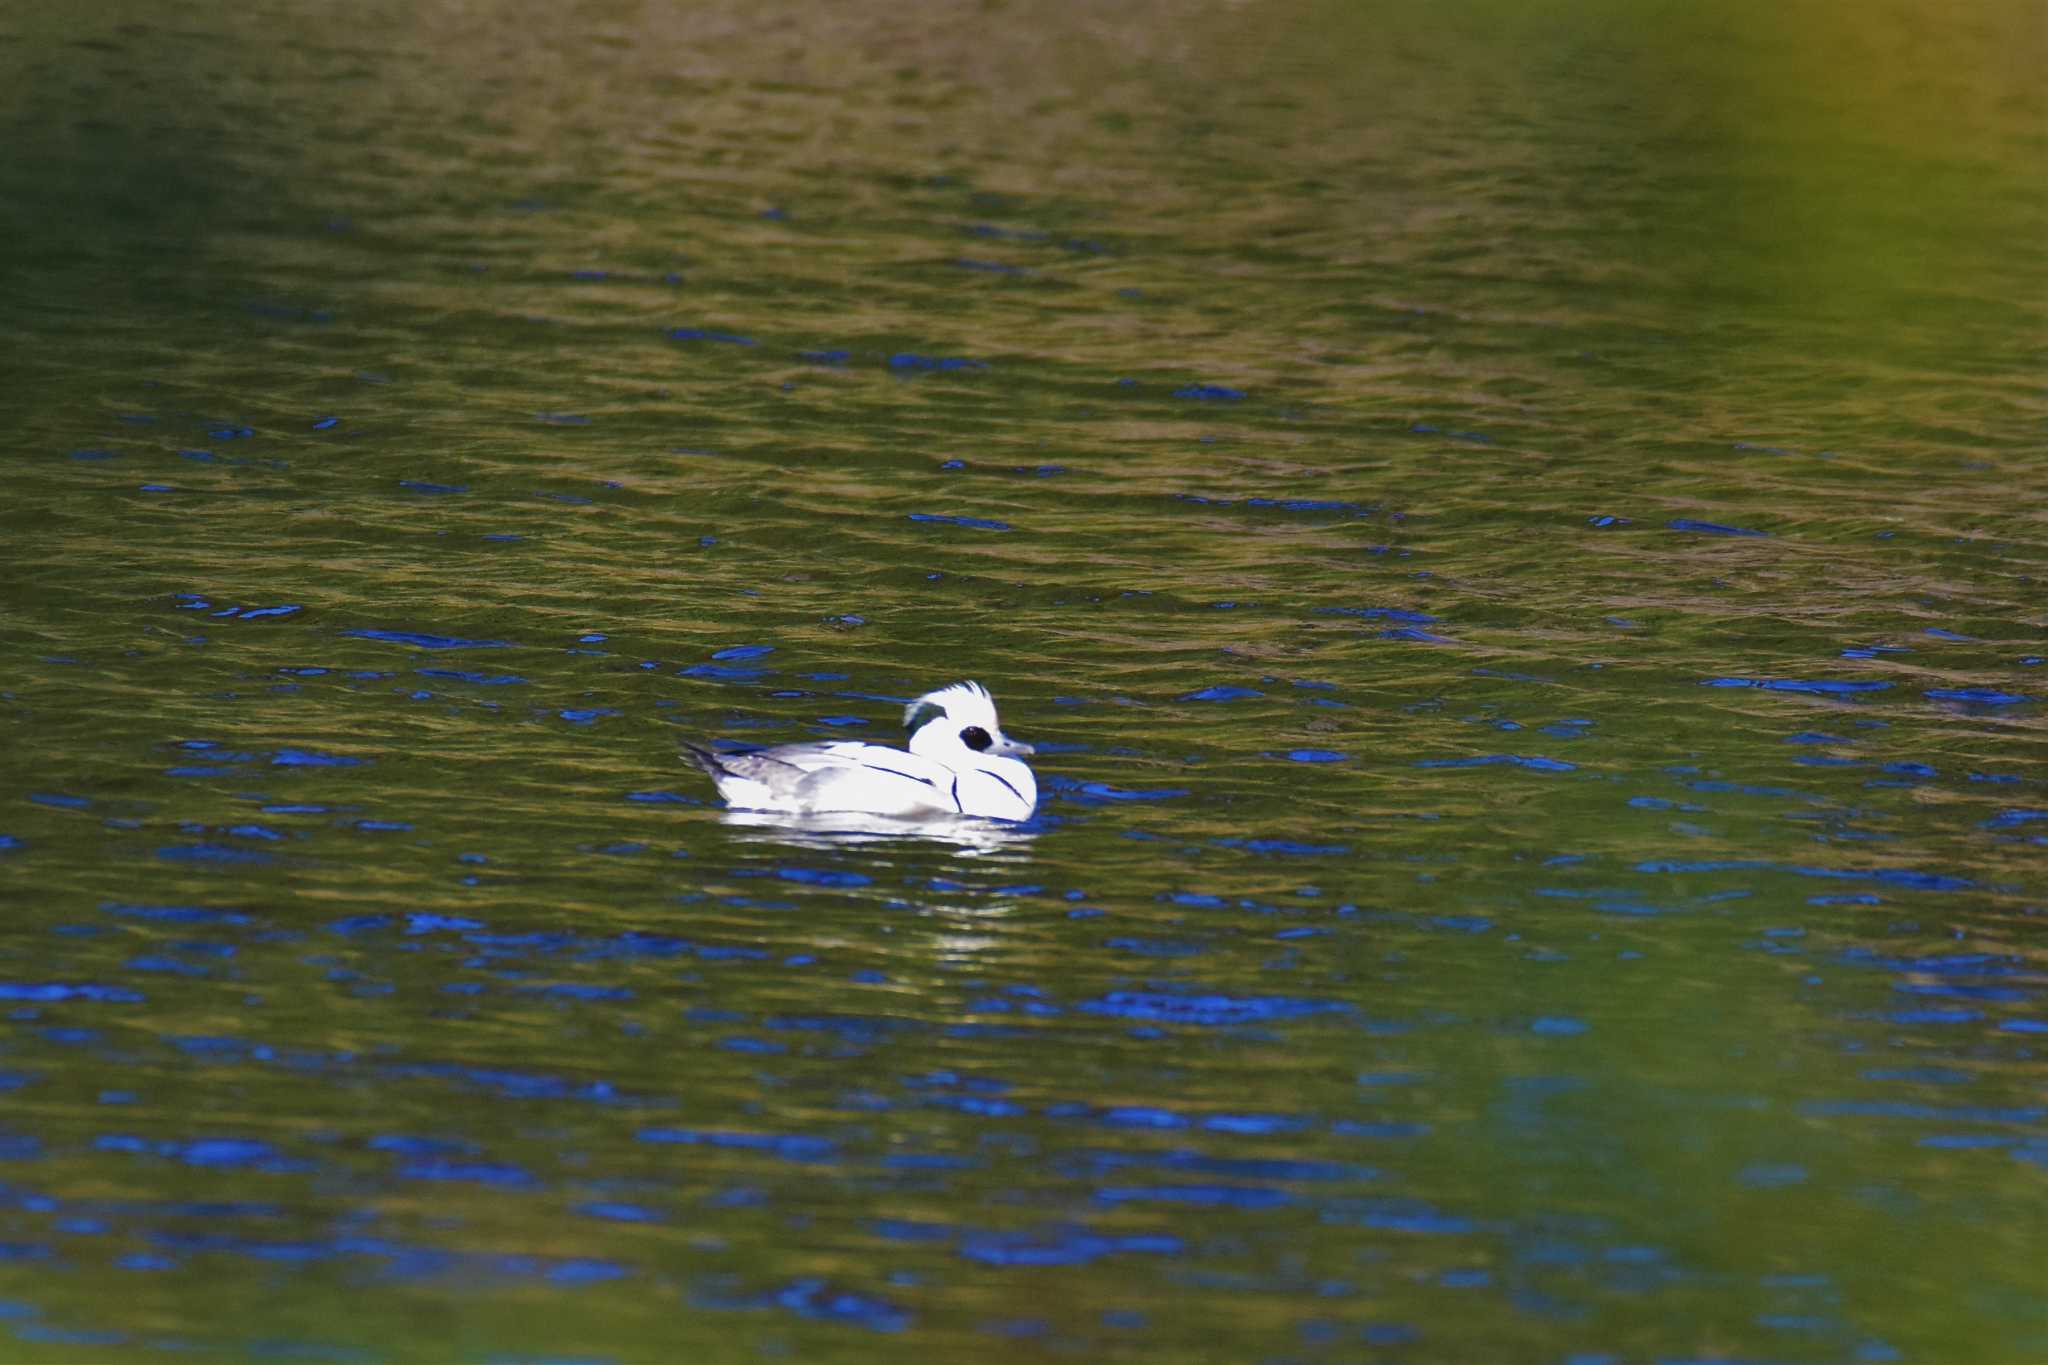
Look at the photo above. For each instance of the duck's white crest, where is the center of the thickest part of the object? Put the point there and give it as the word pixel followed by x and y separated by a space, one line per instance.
pixel 964 703
pixel 959 763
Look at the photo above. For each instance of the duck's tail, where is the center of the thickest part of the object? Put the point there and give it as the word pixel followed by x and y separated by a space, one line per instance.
pixel 706 760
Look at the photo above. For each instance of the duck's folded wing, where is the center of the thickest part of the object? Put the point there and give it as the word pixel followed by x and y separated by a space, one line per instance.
pixel 788 762
pixel 836 774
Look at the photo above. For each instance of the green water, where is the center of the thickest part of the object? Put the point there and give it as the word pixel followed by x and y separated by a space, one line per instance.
pixel 1519 536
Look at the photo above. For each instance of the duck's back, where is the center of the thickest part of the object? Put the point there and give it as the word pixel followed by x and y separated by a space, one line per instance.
pixel 839 775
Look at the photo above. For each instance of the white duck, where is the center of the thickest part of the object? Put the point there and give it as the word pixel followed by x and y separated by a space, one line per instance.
pixel 959 763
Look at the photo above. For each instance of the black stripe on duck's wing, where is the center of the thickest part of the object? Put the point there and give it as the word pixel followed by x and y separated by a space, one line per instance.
pixel 998 777
pixel 829 753
pixel 893 772
pixel 855 753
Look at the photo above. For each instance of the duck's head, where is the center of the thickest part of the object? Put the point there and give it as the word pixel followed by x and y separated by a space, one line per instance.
pixel 957 726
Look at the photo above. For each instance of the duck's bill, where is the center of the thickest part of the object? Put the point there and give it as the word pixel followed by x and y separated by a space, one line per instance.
pixel 1011 748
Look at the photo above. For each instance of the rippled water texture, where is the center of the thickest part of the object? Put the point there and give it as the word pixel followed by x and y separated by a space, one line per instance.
pixel 1520 536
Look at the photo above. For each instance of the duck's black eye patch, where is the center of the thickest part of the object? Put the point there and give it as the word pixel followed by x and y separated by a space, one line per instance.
pixel 975 738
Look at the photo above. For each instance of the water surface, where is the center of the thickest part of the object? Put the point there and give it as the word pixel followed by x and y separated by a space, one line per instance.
pixel 1520 540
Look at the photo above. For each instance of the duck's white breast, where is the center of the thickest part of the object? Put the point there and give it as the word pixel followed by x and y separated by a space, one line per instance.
pixel 1004 790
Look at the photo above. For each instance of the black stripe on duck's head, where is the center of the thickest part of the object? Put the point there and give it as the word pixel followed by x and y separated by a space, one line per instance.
pixel 964 703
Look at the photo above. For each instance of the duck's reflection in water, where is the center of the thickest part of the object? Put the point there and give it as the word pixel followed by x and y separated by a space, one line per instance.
pixel 968 835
